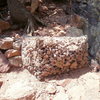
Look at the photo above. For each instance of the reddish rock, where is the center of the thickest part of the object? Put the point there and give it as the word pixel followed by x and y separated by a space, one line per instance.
pixel 12 53
pixel 6 43
pixel 16 61
pixel 4 64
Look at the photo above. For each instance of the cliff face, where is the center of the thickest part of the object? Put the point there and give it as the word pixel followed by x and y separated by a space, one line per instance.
pixel 90 9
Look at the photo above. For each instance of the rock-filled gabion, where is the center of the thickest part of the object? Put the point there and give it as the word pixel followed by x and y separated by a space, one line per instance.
pixel 10 49
pixel 44 56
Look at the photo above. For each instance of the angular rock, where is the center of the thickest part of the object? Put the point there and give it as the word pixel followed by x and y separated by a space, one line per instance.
pixel 17 44
pixel 6 43
pixel 16 61
pixel 74 32
pixel 54 55
pixel 12 53
pixel 63 82
pixel 4 64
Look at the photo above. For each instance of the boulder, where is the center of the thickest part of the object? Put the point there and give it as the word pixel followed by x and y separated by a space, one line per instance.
pixel 18 86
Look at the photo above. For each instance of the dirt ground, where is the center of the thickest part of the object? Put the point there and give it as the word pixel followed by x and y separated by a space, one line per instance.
pixel 81 84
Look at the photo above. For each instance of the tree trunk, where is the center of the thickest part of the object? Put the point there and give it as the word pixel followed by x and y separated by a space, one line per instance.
pixel 21 15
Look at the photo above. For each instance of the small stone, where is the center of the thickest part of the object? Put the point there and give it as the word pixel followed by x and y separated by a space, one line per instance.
pixel 17 44
pixel 16 61
pixel 6 43
pixel 4 64
pixel 44 8
pixel 12 53
pixel 51 89
pixel 63 82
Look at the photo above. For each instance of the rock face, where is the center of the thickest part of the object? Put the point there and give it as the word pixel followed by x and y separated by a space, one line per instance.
pixel 45 56
pixel 4 64
pixel 90 10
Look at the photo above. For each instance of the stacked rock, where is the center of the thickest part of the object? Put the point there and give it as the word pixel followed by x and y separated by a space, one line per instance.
pixel 10 50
